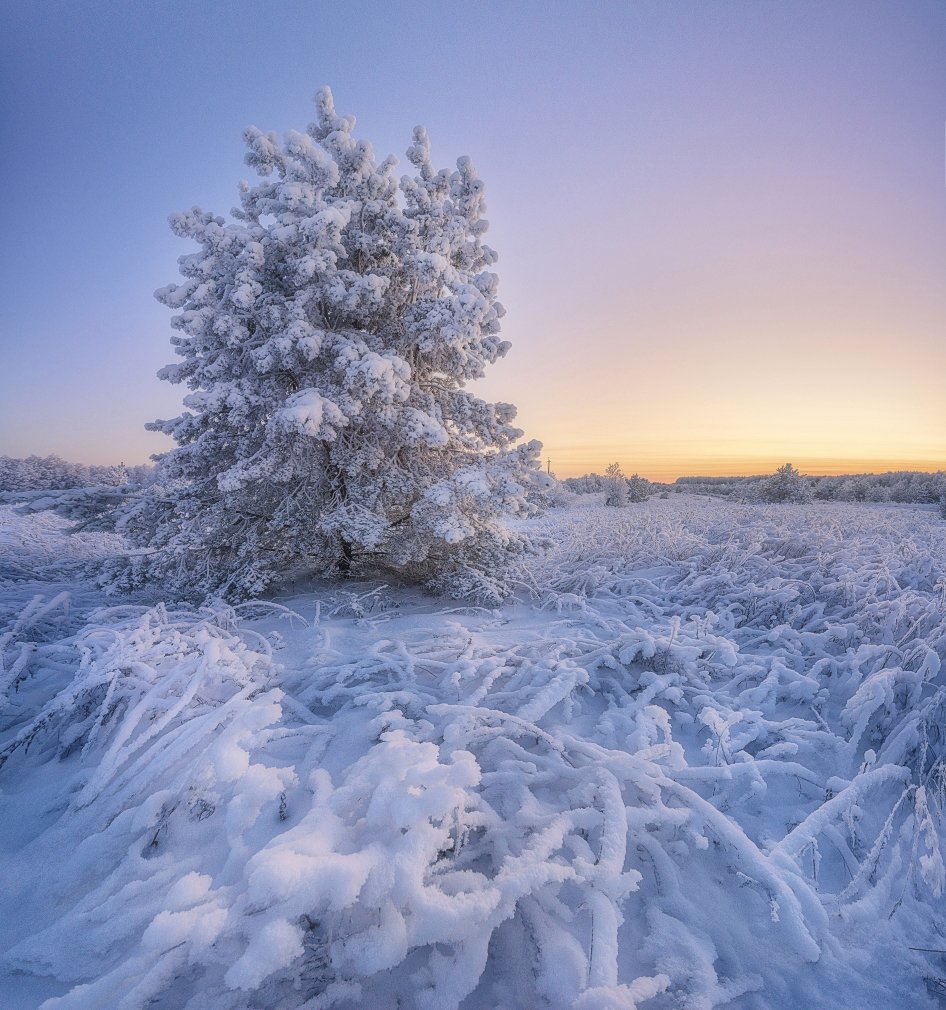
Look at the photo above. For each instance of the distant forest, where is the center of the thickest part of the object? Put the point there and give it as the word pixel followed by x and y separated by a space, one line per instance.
pixel 788 484
pixel 46 473
pixel 903 486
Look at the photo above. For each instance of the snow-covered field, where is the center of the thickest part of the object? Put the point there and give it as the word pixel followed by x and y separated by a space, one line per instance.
pixel 698 763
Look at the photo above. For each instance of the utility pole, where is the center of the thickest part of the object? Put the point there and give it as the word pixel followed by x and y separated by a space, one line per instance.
pixel 548 465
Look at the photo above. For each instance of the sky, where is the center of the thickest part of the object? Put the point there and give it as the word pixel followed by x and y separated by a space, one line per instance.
pixel 721 226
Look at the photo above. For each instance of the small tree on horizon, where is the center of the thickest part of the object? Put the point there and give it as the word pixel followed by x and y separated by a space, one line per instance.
pixel 786 485
pixel 615 486
pixel 327 333
pixel 638 488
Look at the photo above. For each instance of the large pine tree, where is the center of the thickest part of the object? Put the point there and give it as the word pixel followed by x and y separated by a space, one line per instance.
pixel 327 333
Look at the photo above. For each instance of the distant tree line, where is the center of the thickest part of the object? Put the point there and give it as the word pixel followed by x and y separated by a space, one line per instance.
pixel 787 484
pixel 48 473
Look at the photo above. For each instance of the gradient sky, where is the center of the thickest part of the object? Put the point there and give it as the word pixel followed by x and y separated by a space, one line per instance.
pixel 721 226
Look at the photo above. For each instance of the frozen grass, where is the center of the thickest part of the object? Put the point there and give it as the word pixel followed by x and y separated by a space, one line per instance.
pixel 699 764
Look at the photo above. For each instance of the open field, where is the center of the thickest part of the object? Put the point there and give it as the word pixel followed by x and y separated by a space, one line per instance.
pixel 699 762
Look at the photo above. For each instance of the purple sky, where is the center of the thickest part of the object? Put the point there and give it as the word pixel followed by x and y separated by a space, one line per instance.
pixel 721 227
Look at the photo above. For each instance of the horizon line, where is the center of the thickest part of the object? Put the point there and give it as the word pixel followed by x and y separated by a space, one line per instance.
pixel 753 466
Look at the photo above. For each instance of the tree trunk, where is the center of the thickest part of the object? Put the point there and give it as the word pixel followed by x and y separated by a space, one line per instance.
pixel 344 562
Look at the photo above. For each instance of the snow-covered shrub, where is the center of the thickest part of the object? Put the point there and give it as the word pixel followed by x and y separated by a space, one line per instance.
pixel 638 488
pixel 615 486
pixel 327 334
pixel 785 485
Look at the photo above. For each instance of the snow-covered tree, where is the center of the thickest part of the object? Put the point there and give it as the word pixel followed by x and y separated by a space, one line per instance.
pixel 785 485
pixel 638 488
pixel 327 333
pixel 615 486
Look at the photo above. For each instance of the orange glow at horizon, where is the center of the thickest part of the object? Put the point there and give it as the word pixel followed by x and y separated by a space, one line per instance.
pixel 667 470
pixel 817 339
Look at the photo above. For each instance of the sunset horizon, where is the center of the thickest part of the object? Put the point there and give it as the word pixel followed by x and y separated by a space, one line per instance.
pixel 659 469
pixel 668 471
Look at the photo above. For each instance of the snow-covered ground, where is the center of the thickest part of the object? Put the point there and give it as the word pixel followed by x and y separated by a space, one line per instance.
pixel 698 763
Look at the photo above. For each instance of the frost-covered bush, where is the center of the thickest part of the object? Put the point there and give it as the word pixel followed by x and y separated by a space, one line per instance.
pixel 785 485
pixel 638 488
pixel 327 333
pixel 615 486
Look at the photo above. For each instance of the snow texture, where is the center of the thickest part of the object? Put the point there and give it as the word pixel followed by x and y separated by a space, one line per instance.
pixel 700 764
